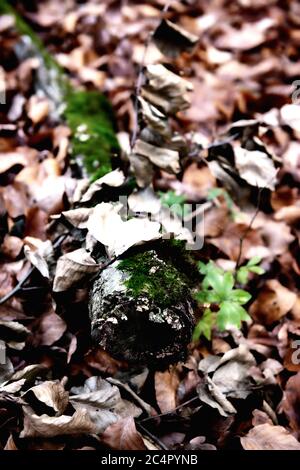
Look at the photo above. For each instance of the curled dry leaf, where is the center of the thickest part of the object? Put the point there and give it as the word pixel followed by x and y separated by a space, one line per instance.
pixel 106 225
pixel 103 403
pixel 166 384
pixel 272 303
pixel 166 90
pixel 291 402
pixel 50 328
pixel 163 158
pixel 50 394
pixel 290 116
pixel 14 334
pixel 113 179
pixel 72 268
pixel 123 436
pixel 171 39
pixel 49 426
pixel 230 377
pixel 269 437
pixel 37 252
pixel 37 108
pixel 255 167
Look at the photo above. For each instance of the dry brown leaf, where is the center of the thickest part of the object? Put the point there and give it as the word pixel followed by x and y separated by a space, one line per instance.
pixel 249 36
pixel 273 302
pixel 50 329
pixel 255 167
pixel 72 268
pixel 37 252
pixel 48 426
pixel 166 90
pixel 49 393
pixel 37 108
pixel 171 39
pixel 13 333
pixel 123 436
pixel 269 437
pixel 166 384
pixel 113 179
pixel 163 158
pixel 291 402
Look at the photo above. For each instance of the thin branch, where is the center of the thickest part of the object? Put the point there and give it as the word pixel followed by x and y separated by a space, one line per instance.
pixel 242 239
pixel 155 439
pixel 169 412
pixel 18 287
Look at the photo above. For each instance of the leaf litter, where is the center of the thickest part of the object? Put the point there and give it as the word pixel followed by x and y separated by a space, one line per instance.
pixel 215 112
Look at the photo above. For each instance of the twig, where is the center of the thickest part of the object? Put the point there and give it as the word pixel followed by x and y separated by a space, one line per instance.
pixel 242 239
pixel 18 287
pixel 152 437
pixel 168 412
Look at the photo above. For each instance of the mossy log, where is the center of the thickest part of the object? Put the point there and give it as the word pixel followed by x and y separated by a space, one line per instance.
pixel 89 115
pixel 141 310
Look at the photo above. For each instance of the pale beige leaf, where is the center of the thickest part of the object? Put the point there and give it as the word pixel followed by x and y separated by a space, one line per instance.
pixel 164 158
pixel 72 268
pixel 50 393
pixel 123 436
pixel 46 426
pixel 269 437
pixel 166 384
pixel 106 225
pixel 255 167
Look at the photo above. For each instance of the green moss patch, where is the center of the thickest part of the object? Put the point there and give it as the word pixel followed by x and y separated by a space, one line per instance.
pixel 157 279
pixel 87 113
pixel 90 118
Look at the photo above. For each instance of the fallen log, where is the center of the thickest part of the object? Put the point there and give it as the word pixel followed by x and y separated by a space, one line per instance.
pixel 141 310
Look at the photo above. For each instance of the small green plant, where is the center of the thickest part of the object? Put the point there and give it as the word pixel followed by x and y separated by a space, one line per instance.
pixel 215 193
pixel 175 202
pixel 223 302
pixel 243 272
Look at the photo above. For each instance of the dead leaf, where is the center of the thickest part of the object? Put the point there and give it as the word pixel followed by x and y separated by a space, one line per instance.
pixel 166 90
pixel 171 39
pixel 37 252
pixel 106 225
pixel 123 436
pixel 273 302
pixel 50 328
pixel 49 426
pixel 291 402
pixel 269 437
pixel 255 167
pixel 166 384
pixel 50 394
pixel 113 179
pixel 37 108
pixel 163 158
pixel 72 268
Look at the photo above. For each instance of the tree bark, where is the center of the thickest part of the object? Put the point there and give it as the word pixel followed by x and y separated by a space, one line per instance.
pixel 141 310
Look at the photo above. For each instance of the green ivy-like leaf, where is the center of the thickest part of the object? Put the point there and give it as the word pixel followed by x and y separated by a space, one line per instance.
pixel 254 261
pixel 204 326
pixel 231 314
pixel 257 270
pixel 242 275
pixel 240 296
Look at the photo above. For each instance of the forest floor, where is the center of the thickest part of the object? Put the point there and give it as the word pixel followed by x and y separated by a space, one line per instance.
pixel 239 384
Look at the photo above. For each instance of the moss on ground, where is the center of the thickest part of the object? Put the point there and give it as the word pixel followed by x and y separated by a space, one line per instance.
pixel 90 119
pixel 87 113
pixel 157 279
